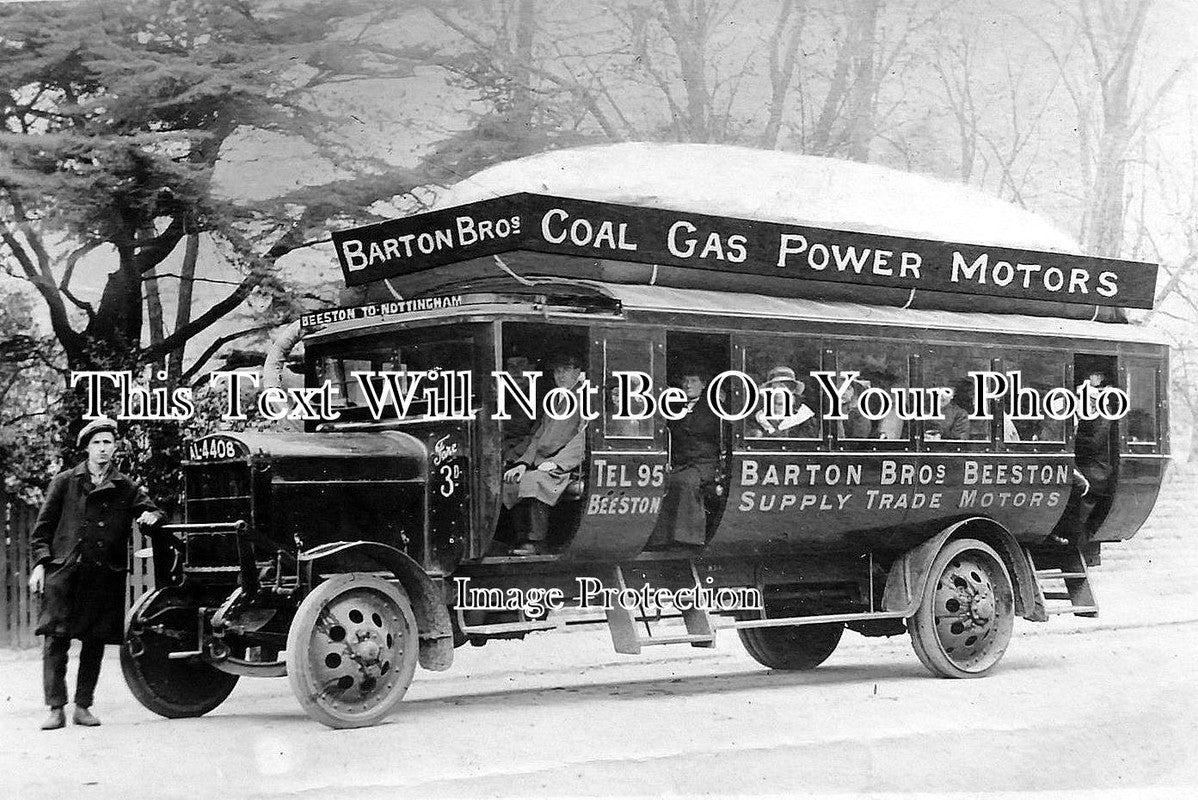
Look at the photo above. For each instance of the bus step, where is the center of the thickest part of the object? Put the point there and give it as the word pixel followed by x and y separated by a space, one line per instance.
pixel 628 640
pixel 1078 592
pixel 682 638
pixel 1081 611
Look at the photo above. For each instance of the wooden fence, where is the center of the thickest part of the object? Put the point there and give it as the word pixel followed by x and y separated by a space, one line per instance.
pixel 18 605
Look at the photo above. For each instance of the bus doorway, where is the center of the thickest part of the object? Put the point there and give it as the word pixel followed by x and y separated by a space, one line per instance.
pixel 697 482
pixel 1096 456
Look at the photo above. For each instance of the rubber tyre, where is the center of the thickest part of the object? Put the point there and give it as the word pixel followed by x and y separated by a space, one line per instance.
pixel 945 651
pixel 172 688
pixel 335 684
pixel 796 647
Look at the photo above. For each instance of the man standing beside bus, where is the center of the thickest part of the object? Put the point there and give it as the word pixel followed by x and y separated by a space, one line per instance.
pixel 80 542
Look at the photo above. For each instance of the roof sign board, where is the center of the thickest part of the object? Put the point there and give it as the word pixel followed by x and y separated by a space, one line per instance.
pixel 319 319
pixel 573 227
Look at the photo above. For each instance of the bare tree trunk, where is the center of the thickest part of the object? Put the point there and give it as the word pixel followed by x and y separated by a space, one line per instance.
pixel 859 122
pixel 1114 38
pixel 187 271
pixel 154 309
pixel 522 107
pixel 783 56
pixel 853 90
pixel 689 33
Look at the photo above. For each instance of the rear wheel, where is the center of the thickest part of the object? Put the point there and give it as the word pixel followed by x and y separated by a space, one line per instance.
pixel 795 647
pixel 173 688
pixel 352 650
pixel 967 612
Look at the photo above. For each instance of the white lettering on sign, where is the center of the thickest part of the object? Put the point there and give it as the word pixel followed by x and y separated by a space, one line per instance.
pixel 893 484
pixel 358 254
pixel 583 232
pixel 1029 276
pixel 612 503
pixel 847 258
pixel 682 244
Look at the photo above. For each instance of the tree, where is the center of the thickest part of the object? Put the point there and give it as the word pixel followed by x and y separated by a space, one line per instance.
pixel 30 382
pixel 115 116
pixel 113 119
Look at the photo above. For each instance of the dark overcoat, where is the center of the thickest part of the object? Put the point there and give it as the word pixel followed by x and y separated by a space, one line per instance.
pixel 694 461
pixel 1094 456
pixel 81 536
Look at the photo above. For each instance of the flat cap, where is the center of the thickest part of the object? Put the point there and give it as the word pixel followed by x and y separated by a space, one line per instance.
pixel 94 427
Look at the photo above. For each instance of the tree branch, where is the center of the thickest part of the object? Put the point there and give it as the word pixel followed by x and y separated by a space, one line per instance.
pixel 216 345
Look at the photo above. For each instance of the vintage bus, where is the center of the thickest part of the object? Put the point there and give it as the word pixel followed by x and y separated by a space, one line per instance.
pixel 344 555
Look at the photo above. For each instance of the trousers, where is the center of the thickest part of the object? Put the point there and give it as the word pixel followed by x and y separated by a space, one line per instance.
pixel 532 520
pixel 54 670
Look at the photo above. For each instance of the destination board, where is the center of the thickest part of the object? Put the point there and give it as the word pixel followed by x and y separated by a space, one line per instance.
pixel 566 226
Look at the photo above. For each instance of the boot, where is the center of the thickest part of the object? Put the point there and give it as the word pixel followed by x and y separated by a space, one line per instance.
pixel 83 716
pixel 56 720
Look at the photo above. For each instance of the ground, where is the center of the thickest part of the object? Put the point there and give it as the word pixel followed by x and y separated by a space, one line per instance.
pixel 1077 707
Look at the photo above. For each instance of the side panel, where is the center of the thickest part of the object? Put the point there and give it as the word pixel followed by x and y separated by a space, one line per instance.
pixel 1140 478
pixel 884 500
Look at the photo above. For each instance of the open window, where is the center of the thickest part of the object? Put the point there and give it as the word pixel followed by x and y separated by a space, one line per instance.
pixel 529 348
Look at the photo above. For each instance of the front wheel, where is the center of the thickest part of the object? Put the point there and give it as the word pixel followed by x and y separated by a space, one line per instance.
pixel 797 647
pixel 352 650
pixel 965 617
pixel 172 688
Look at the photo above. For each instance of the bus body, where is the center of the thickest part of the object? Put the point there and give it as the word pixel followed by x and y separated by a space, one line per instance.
pixel 339 556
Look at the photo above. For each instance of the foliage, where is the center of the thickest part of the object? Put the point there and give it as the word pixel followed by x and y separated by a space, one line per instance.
pixel 30 382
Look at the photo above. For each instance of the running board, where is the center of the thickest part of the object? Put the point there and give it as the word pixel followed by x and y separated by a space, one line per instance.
pixel 701 627
pixel 1078 592
pixel 503 628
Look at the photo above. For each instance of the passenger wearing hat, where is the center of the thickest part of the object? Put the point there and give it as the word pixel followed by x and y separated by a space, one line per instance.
pixel 536 483
pixel 694 463
pixel 1095 469
pixel 79 543
pixel 783 413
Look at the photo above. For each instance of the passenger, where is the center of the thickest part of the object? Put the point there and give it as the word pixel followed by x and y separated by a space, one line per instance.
pixel 783 413
pixel 543 471
pixel 694 464
pixel 956 423
pixel 857 425
pixel 517 431
pixel 892 425
pixel 1093 478
pixel 1095 460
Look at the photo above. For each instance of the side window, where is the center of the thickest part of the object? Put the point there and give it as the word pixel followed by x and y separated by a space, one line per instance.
pixel 529 348
pixel 882 365
pixel 1141 417
pixel 949 367
pixel 625 355
pixel 1040 371
pixel 788 406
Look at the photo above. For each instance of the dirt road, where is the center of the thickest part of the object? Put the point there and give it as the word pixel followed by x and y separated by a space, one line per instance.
pixel 1113 709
